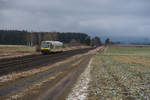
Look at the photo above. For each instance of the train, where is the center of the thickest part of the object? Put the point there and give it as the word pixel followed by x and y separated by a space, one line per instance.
pixel 48 47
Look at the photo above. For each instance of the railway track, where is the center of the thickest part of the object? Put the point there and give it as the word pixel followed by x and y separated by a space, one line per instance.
pixel 32 61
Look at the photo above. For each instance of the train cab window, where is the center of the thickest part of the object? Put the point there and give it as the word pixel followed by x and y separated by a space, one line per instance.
pixel 45 46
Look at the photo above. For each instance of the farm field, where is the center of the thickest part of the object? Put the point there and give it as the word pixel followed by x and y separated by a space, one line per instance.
pixel 14 50
pixel 120 73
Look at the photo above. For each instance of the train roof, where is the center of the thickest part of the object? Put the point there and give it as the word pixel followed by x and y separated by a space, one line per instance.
pixel 53 42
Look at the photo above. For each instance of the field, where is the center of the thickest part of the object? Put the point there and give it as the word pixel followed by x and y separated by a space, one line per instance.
pixel 13 50
pixel 120 73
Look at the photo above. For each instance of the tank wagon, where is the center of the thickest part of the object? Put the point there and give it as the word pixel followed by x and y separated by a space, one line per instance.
pixel 51 47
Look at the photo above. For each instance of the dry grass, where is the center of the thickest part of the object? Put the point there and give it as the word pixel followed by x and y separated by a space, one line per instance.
pixel 121 73
pixel 13 50
pixel 75 47
pixel 138 60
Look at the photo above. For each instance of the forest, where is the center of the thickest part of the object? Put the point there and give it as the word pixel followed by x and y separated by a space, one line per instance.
pixel 16 37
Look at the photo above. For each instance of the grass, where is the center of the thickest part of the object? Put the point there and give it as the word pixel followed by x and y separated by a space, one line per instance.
pixel 131 51
pixel 14 49
pixel 121 73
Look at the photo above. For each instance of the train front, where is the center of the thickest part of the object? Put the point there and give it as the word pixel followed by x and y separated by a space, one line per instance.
pixel 45 47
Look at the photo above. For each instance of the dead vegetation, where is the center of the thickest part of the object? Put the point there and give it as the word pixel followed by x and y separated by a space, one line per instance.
pixel 121 75
pixel 15 50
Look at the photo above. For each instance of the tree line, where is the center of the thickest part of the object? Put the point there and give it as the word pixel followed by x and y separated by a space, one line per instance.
pixel 15 37
pixel 12 37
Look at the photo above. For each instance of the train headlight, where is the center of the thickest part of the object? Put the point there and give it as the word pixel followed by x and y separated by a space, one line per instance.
pixel 44 48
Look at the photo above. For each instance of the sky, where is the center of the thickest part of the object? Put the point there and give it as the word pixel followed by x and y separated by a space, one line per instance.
pixel 114 18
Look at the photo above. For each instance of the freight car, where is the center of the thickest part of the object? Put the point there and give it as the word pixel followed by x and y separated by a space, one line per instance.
pixel 51 47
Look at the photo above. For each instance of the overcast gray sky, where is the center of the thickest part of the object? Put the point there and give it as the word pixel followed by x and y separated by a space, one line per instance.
pixel 110 17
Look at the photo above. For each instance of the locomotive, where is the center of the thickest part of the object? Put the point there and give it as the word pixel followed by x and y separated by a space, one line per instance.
pixel 48 47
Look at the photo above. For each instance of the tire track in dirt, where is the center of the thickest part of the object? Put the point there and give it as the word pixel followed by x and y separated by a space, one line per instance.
pixel 59 91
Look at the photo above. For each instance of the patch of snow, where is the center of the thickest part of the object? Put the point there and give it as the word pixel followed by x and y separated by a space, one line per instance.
pixel 79 91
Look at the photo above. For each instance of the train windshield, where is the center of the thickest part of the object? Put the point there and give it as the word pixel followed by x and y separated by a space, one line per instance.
pixel 45 46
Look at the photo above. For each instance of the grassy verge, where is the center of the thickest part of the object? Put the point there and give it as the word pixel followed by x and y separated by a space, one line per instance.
pixel 121 73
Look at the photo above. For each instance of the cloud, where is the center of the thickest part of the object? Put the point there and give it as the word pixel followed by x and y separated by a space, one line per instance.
pixel 111 17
